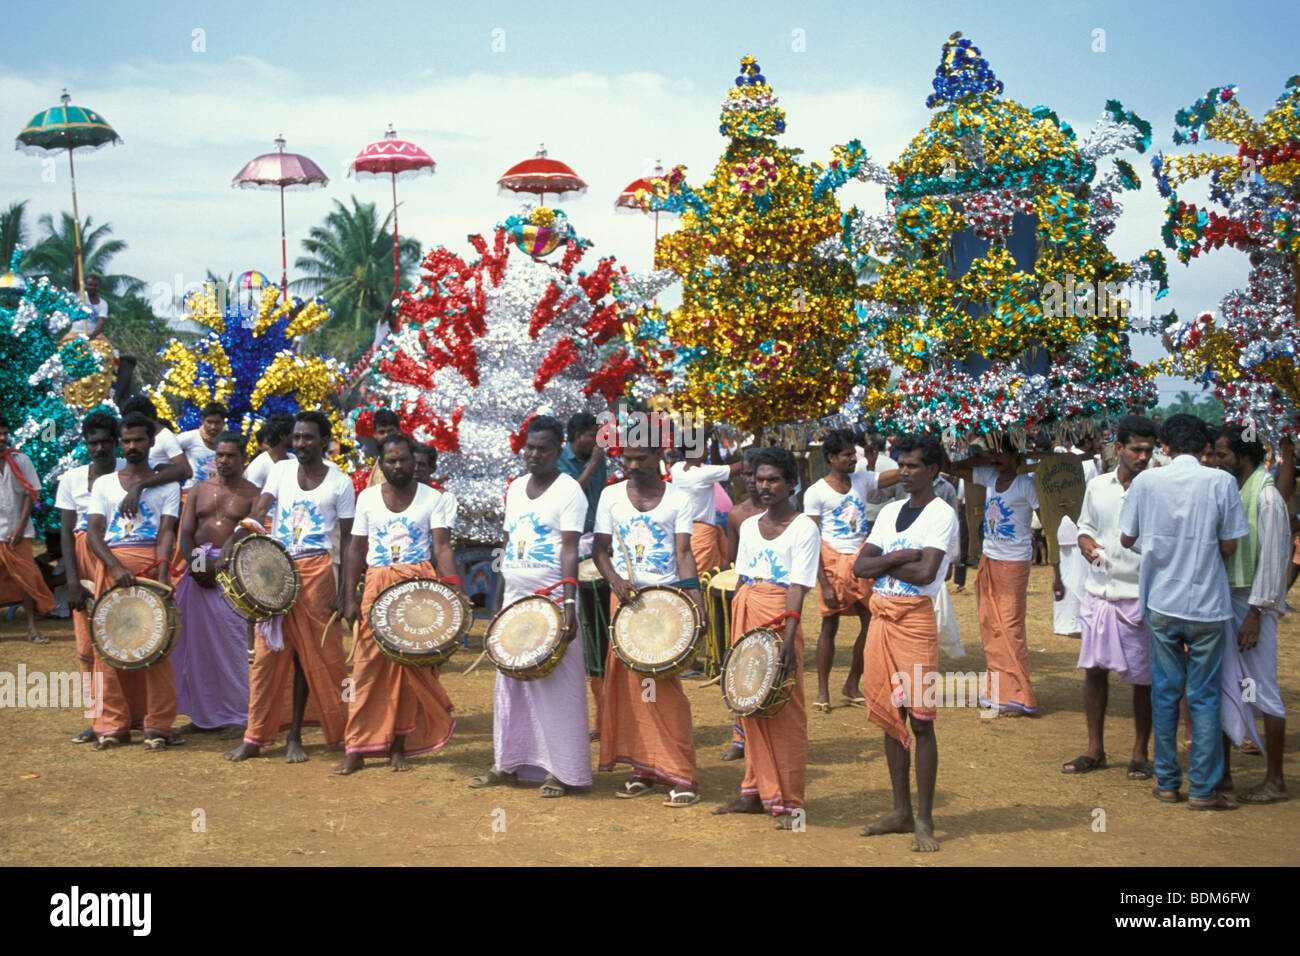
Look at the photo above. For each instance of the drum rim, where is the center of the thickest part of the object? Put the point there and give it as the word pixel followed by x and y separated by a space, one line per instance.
pixel 255 608
pixel 767 709
pixel 677 664
pixel 540 668
pixel 172 628
pixel 438 655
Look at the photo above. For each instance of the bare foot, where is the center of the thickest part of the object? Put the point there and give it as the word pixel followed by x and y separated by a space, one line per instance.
pixel 923 840
pixel 243 752
pixel 746 803
pixel 895 821
pixel 351 764
pixel 293 752
pixel 733 753
pixel 1266 792
pixel 232 732
pixel 399 764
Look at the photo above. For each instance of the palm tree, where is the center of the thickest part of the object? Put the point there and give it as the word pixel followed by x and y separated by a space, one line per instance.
pixel 13 233
pixel 56 256
pixel 349 263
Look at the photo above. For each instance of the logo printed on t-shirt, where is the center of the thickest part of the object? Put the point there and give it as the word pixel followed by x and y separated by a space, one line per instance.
pixel 891 585
pixel 530 543
pixel 1003 524
pixel 647 544
pixel 302 522
pixel 847 517
pixel 141 526
pixel 767 566
pixel 399 542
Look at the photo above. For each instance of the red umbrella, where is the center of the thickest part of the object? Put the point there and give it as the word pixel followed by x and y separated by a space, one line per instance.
pixel 281 170
pixel 541 175
pixel 396 159
pixel 627 201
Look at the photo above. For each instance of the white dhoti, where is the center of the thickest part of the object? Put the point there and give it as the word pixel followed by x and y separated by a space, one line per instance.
pixel 1249 678
pixel 945 619
pixel 1115 636
pixel 1065 612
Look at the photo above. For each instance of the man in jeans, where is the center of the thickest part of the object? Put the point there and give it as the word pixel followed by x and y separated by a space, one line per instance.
pixel 1185 519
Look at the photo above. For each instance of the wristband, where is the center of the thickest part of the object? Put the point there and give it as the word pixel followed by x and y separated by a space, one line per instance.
pixel 453 579
pixel 569 601
pixel 689 584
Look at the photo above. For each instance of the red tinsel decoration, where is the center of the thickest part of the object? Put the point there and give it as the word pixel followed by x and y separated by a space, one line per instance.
pixel 518 438
pixel 561 356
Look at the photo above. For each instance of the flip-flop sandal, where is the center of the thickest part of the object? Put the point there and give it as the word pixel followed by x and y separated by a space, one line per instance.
pixel 821 706
pixel 493 778
pixel 106 742
pixel 855 701
pixel 1140 770
pixel 155 743
pixel 37 638
pixel 1085 764
pixel 634 788
pixel 87 736
pixel 1220 802
pixel 676 803
pixel 1249 747
pixel 1256 797
pixel 1163 795
pixel 552 787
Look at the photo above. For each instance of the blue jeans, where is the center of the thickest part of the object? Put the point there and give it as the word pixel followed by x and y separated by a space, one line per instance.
pixel 1196 673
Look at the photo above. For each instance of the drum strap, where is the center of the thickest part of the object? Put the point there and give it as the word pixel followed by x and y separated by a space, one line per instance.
pixel 779 618
pixel 550 588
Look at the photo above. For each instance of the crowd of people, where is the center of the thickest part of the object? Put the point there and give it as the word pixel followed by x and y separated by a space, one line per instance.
pixel 1174 577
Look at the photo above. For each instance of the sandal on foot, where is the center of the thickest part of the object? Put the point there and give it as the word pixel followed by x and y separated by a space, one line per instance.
pixel 1140 770
pixel 87 736
pixel 551 787
pixel 1085 764
pixel 155 743
pixel 681 798
pixel 105 742
pixel 1258 795
pixel 493 778
pixel 1166 796
pixel 1249 746
pixel 1220 802
pixel 855 701
pixel 636 787
pixel 821 706
pixel 37 638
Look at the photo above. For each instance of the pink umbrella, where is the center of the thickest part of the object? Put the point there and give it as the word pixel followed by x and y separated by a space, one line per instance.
pixel 281 170
pixel 628 202
pixel 397 159
pixel 541 175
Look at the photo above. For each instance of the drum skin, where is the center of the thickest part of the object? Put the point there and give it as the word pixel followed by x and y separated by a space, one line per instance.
pixel 133 626
pixel 658 634
pixel 719 589
pixel 419 622
pixel 754 684
pixel 526 639
pixel 259 577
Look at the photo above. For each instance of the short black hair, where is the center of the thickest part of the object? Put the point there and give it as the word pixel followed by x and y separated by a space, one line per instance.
pixel 98 422
pixel 396 438
pixel 387 418
pixel 137 420
pixel 748 456
pixel 142 404
pixel 1135 426
pixel 1185 434
pixel 778 458
pixel 547 423
pixel 214 408
pixel 275 430
pixel 579 422
pixel 929 447
pixel 1238 445
pixel 429 451
pixel 319 419
pixel 229 437
pixel 836 441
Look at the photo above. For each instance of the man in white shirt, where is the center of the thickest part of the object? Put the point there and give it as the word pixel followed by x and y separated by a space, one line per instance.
pixel 908 553
pixel 874 459
pixel 166 457
pixel 200 445
pixel 695 478
pixel 1257 577
pixel 1065 609
pixel 276 438
pixel 1185 518
pixel 19 489
pixel 1113 634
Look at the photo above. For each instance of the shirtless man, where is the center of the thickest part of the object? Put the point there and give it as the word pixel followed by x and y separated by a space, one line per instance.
pixel 211 659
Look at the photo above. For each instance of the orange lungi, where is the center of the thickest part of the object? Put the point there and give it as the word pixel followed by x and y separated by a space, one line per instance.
pixel 851 590
pixel 20 576
pixel 179 562
pixel 86 564
pixel 1000 590
pixel 270 680
pixel 393 700
pixel 901 661
pixel 654 737
pixel 776 748
pixel 709 546
pixel 145 696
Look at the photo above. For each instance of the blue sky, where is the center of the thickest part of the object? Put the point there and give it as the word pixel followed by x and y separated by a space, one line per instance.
pixel 608 87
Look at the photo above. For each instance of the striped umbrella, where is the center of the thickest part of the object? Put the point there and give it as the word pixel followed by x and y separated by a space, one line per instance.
pixel 396 159
pixel 75 129
pixel 541 175
pixel 627 200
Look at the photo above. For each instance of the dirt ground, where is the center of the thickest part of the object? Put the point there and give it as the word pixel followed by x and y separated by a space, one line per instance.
pixel 1001 800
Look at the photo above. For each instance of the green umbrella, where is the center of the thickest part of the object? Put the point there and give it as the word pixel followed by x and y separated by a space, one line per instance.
pixel 73 128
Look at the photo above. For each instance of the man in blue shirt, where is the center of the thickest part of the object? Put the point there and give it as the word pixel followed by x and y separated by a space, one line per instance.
pixel 584 460
pixel 1185 519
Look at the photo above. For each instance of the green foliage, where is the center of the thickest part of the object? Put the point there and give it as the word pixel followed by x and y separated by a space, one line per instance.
pixel 135 330
pixel 1205 407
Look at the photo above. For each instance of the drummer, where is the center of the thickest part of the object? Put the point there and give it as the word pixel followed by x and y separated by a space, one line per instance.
pixel 127 546
pixel 908 552
pixel 401 531
pixel 737 516
pixel 311 496
pixel 777 563
pixel 211 659
pixel 539 727
pixel 99 431
pixel 648 522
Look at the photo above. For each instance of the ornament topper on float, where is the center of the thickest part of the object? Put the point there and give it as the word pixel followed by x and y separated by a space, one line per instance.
pixel 44 376
pixel 248 361
pixel 995 293
pixel 767 331
pixel 484 345
pixel 1248 352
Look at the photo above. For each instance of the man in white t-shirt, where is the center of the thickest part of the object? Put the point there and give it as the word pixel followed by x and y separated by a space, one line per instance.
pixel 401 531
pixel 167 459
pixel 908 553
pixel 876 460
pixel 696 479
pixel 647 522
pixel 310 497
pixel 276 440
pixel 539 727
pixel 838 503
pixel 1011 503
pixel 200 445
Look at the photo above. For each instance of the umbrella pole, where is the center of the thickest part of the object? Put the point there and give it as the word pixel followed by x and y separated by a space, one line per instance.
pixel 78 268
pixel 396 270
pixel 284 255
